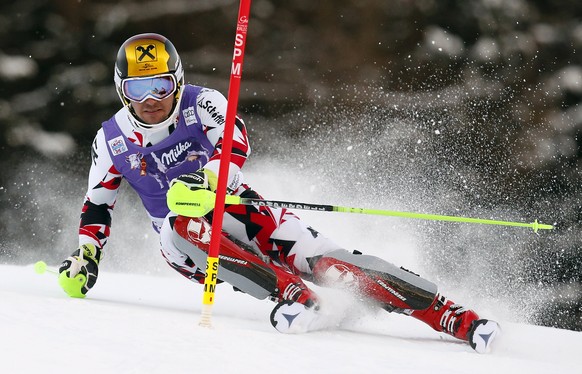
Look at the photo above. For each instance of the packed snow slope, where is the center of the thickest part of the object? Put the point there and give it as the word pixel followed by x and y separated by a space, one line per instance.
pixel 139 323
pixel 143 317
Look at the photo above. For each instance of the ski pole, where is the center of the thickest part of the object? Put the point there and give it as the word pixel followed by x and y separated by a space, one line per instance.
pixel 199 202
pixel 40 267
pixel 237 200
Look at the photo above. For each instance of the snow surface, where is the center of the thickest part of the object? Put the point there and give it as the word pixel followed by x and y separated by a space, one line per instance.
pixel 143 317
pixel 136 323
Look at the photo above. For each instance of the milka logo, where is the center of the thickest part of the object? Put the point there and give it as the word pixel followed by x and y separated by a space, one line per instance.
pixel 173 154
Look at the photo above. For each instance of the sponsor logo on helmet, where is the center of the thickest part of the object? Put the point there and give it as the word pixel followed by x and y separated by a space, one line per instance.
pixel 146 57
pixel 117 145
pixel 146 53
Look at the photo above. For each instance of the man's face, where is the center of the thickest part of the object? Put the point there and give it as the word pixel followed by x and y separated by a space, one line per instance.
pixel 153 111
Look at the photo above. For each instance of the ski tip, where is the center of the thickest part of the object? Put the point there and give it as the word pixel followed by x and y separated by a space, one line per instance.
pixel 292 318
pixel 482 334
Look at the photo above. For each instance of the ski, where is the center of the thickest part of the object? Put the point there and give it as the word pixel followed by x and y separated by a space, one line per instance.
pixel 482 334
pixel 290 317
pixel 294 318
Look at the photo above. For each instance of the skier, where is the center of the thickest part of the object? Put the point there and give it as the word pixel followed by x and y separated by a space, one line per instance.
pixel 166 140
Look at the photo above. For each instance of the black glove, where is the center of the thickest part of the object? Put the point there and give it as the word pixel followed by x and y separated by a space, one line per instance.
pixel 201 179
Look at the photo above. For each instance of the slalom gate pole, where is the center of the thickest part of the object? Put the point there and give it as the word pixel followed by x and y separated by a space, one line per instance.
pixel 231 111
pixel 237 200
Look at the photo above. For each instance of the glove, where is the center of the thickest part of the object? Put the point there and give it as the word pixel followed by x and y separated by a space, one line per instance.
pixel 200 179
pixel 77 273
pixel 192 195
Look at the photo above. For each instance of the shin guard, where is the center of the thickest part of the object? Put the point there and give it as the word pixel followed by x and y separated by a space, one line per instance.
pixel 243 269
pixel 392 287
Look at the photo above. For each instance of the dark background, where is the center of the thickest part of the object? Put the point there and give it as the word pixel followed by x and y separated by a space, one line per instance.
pixel 480 98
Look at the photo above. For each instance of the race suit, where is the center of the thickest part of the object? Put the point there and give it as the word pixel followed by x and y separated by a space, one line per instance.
pixel 149 162
pixel 120 151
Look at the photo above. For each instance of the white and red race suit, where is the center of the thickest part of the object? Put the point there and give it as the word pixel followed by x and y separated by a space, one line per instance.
pixel 148 161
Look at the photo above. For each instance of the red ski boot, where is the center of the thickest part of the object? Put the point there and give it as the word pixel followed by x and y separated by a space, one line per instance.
pixel 445 316
pixel 291 288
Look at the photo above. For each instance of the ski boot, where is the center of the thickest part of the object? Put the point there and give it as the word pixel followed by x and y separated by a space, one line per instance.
pixel 291 288
pixel 445 316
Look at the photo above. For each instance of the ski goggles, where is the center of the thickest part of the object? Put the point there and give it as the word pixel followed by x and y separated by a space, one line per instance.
pixel 158 87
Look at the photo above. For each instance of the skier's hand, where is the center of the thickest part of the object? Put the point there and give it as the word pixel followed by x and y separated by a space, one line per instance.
pixel 201 179
pixel 192 195
pixel 78 273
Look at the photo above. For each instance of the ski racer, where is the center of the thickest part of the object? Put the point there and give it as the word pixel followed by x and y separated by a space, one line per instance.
pixel 167 138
